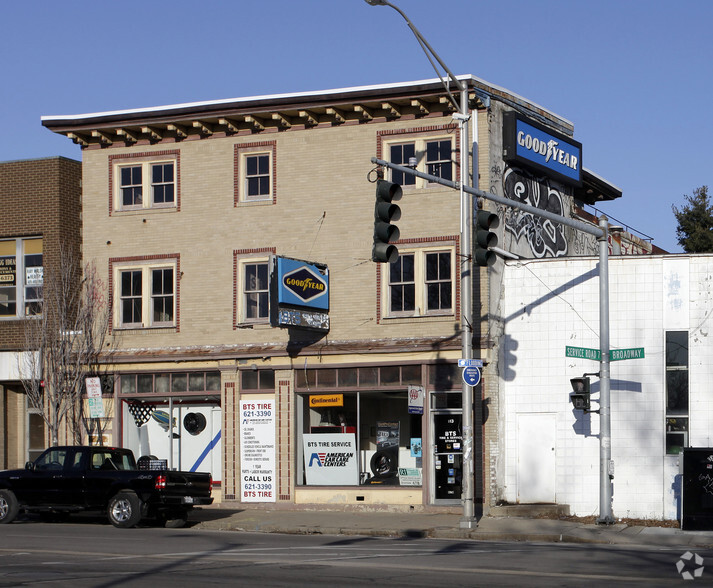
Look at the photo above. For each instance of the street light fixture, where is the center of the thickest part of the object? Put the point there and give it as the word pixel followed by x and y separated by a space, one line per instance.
pixel 468 520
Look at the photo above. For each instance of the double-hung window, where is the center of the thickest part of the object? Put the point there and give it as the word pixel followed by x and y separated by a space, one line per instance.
pixel 433 155
pixel 255 172
pixel 420 283
pixel 255 292
pixel 146 295
pixel 401 154
pixel 21 277
pixel 145 182
pixel 252 287
pixel 439 156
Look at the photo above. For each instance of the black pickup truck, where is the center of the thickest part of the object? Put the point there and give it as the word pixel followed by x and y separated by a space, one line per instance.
pixel 70 479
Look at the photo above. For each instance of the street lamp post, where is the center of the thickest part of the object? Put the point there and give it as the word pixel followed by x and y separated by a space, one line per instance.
pixel 466 214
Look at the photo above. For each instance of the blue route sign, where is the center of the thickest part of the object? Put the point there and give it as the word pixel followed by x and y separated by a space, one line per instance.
pixel 471 375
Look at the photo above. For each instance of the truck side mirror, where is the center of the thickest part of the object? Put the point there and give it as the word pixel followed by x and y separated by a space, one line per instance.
pixel 30 465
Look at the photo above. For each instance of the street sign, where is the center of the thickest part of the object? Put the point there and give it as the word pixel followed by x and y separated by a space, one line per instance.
pixel 470 363
pixel 596 354
pixel 583 353
pixel 633 353
pixel 471 375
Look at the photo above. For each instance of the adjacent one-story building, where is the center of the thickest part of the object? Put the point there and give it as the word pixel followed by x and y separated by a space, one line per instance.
pixel 661 359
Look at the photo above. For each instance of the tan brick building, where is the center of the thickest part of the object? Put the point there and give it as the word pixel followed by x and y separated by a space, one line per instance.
pixel 41 211
pixel 186 209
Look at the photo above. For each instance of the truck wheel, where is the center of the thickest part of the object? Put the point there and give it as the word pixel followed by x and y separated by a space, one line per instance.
pixel 124 510
pixel 8 506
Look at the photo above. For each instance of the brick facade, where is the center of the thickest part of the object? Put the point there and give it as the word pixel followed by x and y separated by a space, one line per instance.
pixel 39 197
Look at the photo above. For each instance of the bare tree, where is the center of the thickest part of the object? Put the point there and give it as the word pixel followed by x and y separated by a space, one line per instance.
pixel 64 343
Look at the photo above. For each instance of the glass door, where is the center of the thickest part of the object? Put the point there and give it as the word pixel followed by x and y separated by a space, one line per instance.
pixel 447 443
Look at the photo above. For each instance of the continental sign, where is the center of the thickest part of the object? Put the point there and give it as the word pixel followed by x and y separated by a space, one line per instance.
pixel 320 400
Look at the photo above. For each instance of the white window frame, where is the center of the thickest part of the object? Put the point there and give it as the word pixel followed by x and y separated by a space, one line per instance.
pixel 147 296
pixel 420 284
pixel 147 184
pixel 245 152
pixel 420 143
pixel 241 292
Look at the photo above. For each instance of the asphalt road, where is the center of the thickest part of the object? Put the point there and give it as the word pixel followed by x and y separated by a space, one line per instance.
pixel 93 553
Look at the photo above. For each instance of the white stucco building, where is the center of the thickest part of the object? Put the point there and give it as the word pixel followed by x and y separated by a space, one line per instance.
pixel 660 402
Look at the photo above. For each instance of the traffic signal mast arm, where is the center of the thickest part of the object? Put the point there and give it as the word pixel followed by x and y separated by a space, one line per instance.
pixel 570 222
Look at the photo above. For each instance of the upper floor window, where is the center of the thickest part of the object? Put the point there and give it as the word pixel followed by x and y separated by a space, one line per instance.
pixel 21 277
pixel 146 294
pixel 145 181
pixel 256 290
pixel 433 155
pixel 420 283
pixel 255 172
pixel 252 288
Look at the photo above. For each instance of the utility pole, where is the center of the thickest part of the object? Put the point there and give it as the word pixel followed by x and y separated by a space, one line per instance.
pixel 468 521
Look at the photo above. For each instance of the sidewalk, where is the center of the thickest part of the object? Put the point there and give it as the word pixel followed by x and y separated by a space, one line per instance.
pixel 439 525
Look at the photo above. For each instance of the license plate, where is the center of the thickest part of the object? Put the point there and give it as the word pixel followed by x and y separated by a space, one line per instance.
pixel 188 499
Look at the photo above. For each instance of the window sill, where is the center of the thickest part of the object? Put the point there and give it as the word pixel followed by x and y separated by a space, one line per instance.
pixel 259 326
pixel 151 210
pixel 269 201
pixel 431 318
pixel 144 330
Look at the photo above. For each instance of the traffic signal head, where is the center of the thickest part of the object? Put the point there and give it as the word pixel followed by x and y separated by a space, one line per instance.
pixel 580 393
pixel 485 223
pixel 385 211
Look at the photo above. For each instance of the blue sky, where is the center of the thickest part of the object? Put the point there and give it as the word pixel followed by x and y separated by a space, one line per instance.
pixel 634 76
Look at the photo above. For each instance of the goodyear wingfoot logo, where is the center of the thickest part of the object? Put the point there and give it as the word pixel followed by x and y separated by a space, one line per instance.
pixel 330 460
pixel 304 284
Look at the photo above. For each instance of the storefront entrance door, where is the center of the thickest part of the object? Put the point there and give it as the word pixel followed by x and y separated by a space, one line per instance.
pixel 447 456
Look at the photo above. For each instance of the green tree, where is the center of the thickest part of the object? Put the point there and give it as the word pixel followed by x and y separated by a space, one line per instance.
pixel 695 222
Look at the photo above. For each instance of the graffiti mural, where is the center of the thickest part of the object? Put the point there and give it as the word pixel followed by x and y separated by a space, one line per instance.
pixel 546 238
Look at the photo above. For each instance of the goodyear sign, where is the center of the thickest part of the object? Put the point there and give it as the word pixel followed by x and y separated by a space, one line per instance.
pixel 536 146
pixel 299 293
pixel 302 284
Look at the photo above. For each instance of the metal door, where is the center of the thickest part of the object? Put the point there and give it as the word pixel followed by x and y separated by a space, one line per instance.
pixel 536 435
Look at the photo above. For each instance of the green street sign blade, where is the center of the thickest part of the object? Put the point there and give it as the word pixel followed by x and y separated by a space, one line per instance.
pixel 583 353
pixel 633 353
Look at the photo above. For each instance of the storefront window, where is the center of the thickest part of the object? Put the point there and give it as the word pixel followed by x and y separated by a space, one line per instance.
pixel 257 380
pixel 179 382
pixel 360 438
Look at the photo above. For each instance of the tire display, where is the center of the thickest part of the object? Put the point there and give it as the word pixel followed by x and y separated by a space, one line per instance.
pixel 124 510
pixel 384 463
pixel 8 506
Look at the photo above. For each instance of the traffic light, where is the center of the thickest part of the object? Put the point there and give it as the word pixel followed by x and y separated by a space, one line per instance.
pixel 485 238
pixel 384 213
pixel 580 393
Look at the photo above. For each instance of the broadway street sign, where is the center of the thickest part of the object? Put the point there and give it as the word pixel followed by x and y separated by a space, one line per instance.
pixel 596 354
pixel 619 354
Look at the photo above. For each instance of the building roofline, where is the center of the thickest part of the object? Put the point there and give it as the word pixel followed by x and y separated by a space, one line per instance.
pixel 338 94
